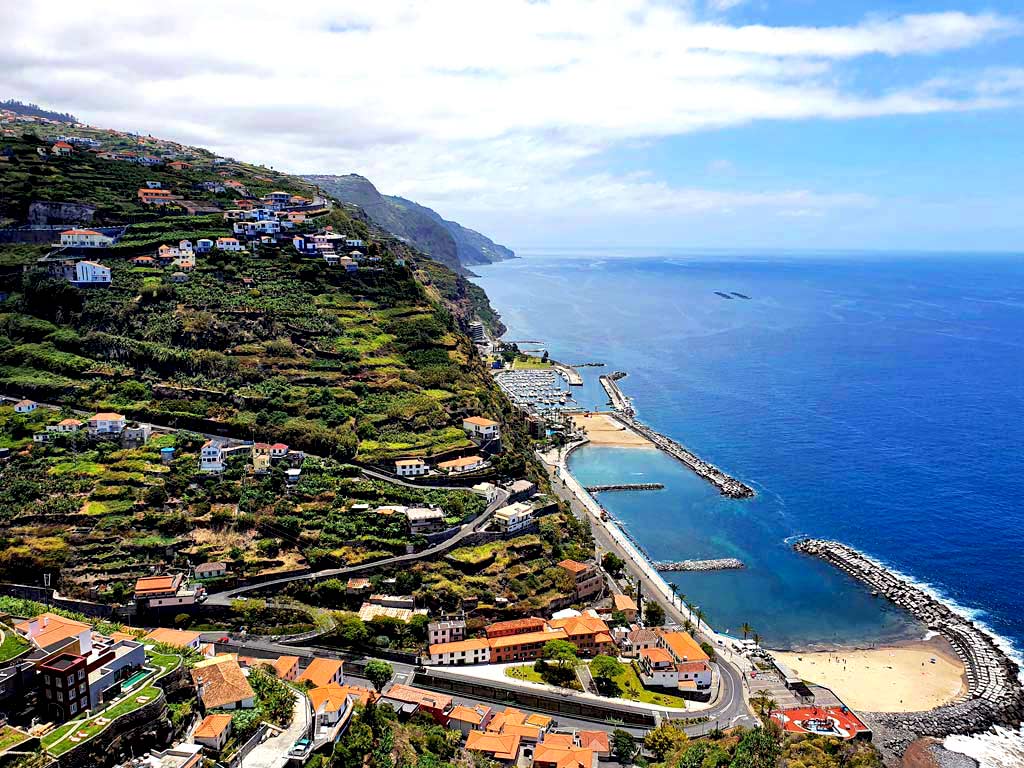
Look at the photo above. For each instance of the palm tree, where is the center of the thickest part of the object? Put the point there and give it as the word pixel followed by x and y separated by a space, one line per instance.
pixel 757 639
pixel 675 591
pixel 700 617
pixel 760 700
pixel 746 629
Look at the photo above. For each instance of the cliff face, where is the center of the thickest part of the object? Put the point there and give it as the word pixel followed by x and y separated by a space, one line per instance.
pixel 445 241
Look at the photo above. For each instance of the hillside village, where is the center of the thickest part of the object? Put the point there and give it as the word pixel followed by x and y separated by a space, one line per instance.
pixel 263 502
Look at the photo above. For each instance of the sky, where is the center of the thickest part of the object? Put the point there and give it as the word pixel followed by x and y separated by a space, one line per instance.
pixel 812 124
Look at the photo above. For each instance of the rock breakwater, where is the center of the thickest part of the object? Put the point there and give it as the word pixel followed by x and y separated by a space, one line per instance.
pixel 720 564
pixel 995 695
pixel 625 487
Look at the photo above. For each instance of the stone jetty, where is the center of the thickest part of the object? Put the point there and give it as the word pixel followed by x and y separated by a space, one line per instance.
pixel 625 487
pixel 729 486
pixel 721 564
pixel 619 401
pixel 626 414
pixel 995 695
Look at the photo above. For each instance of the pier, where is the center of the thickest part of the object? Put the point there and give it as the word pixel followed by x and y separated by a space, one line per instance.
pixel 626 487
pixel 571 375
pixel 619 401
pixel 720 564
pixel 995 695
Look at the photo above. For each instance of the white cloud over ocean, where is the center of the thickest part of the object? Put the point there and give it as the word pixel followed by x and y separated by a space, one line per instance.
pixel 482 105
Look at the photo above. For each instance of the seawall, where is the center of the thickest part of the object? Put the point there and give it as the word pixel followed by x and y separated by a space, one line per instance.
pixel 995 695
pixel 626 414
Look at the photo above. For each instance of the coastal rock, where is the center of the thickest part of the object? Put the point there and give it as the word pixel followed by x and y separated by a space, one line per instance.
pixel 720 564
pixel 995 695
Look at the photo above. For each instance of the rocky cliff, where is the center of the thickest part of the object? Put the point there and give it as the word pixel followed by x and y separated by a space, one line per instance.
pixel 445 241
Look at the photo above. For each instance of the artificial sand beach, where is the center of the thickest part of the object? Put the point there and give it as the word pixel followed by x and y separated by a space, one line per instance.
pixel 602 429
pixel 890 679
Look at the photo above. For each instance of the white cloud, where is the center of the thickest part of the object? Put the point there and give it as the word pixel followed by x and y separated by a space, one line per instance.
pixel 475 104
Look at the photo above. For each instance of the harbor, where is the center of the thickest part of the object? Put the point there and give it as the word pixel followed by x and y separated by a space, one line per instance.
pixel 994 695
pixel 544 392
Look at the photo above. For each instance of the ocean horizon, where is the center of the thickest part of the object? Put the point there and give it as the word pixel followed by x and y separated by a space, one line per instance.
pixel 868 398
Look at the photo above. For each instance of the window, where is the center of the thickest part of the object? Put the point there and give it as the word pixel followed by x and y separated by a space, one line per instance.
pixel 81 688
pixel 73 708
pixel 81 674
pixel 71 681
pixel 49 693
pixel 47 678
pixel 60 696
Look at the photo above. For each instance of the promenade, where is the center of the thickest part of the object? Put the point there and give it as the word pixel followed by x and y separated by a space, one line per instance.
pixel 730 707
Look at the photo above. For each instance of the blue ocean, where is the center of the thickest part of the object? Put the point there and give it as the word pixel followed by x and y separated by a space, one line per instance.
pixel 874 399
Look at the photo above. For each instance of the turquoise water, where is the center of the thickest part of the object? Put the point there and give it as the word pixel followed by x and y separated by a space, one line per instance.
pixel 876 400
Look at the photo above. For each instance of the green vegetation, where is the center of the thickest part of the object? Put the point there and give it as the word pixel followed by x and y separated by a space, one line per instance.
pixel 10 737
pixel 13 644
pixel 627 685
pixel 527 672
pixel 274 703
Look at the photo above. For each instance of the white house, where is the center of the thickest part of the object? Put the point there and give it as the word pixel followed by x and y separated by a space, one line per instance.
pixel 514 518
pixel 458 466
pixel 460 652
pixel 137 434
pixel 228 244
pixel 65 426
pixel 446 630
pixel 424 519
pixel 211 570
pixel 211 457
pixel 185 246
pixel 480 428
pixel 657 668
pixel 268 226
pixel 91 273
pixel 278 451
pixel 213 732
pixel 354 243
pixel 85 238
pixel 25 406
pixel 204 245
pixel 107 424
pixel 411 467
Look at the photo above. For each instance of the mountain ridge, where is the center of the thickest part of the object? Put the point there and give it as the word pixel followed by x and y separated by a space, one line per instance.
pixel 446 241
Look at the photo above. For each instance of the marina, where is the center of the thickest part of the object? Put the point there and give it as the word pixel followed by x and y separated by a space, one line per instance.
pixel 543 392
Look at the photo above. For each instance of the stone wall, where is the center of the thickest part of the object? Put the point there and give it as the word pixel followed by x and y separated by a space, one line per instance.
pixel 995 695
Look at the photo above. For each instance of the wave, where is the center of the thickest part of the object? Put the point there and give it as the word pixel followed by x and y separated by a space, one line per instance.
pixel 998 748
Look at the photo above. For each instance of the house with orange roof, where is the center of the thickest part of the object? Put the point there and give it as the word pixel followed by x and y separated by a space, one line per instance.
pixel 144 261
pixel 62 149
pixel 221 684
pixel 625 605
pixel 460 652
pixel 65 426
pixel 286 667
pixel 228 244
pixel 464 464
pixel 588 633
pixel 321 672
pixel 479 428
pixel 411 467
pixel 587 578
pixel 25 406
pixel 656 667
pixel 596 741
pixel 332 704
pixel 179 165
pixel 498 746
pixel 155 196
pixel 465 719
pixel 213 732
pixel 530 728
pixel 692 665
pixel 107 423
pixel 407 700
pixel 558 756
pixel 50 632
pixel 528 646
pixel 179 638
pixel 84 238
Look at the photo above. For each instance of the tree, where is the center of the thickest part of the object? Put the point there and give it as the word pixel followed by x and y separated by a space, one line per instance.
pixel 654 614
pixel 675 591
pixel 562 652
pixel 379 672
pixel 757 749
pixel 665 740
pixel 612 563
pixel 700 617
pixel 352 630
pixel 605 669
pixel 746 629
pixel 757 639
pixel 623 746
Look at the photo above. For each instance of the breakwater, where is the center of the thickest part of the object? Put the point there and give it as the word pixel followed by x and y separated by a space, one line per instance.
pixel 995 695
pixel 729 486
pixel 625 487
pixel 619 401
pixel 719 564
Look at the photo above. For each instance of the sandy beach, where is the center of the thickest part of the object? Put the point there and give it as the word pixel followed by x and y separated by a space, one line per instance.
pixel 602 429
pixel 890 679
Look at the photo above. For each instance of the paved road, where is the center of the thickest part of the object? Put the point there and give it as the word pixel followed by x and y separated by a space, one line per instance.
pixel 730 708
pixel 225 597
pixel 273 751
